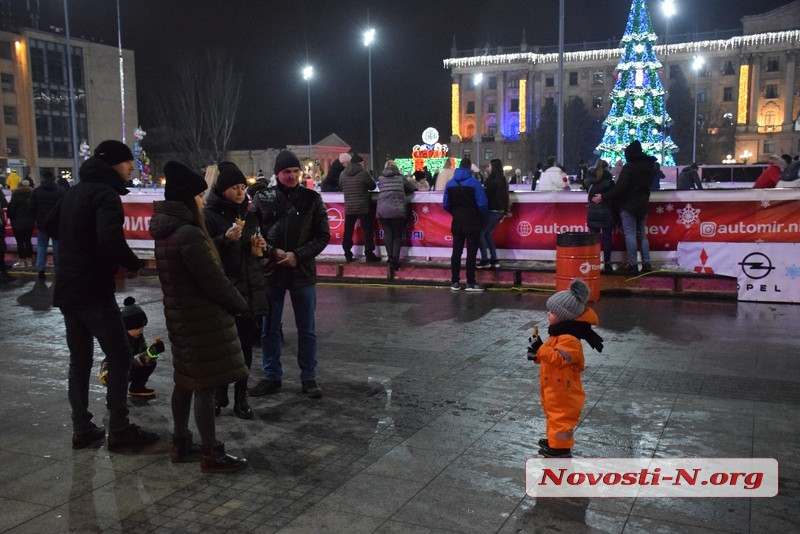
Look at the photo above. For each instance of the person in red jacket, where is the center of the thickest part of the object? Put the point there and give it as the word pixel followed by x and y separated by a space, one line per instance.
pixel 561 363
pixel 772 174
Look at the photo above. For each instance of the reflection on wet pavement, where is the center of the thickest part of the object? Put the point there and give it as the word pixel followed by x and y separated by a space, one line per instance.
pixel 429 414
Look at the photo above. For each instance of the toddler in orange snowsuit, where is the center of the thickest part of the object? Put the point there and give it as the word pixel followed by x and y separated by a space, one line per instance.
pixel 561 364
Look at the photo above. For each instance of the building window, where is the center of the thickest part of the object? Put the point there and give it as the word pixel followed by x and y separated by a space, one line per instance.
pixel 510 155
pixel 771 91
pixel 514 105
pixel 549 80
pixel 491 130
pixel 512 83
pixel 467 154
pixel 728 69
pixel 491 107
pixel 12 146
pixel 597 77
pixel 597 102
pixel 573 79
pixel 773 64
pixel 769 146
pixel 5 50
pixel 9 115
pixel 7 82
pixel 471 107
pixel 493 82
pixel 727 94
pixel 488 154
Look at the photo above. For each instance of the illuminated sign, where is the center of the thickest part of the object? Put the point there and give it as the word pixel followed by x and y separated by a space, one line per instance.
pixel 432 148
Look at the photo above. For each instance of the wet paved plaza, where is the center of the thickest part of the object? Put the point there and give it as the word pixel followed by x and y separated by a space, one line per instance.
pixel 430 411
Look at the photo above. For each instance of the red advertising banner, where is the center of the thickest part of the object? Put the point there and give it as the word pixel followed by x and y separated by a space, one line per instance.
pixel 723 216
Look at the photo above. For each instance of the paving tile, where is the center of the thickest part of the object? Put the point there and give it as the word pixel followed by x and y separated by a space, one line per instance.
pixel 429 414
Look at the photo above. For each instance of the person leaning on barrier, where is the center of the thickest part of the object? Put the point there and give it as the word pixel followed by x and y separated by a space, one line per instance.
pixel 689 178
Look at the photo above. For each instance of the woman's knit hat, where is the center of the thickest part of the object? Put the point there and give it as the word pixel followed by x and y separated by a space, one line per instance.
pixel 182 182
pixel 569 303
pixel 229 175
pixel 132 314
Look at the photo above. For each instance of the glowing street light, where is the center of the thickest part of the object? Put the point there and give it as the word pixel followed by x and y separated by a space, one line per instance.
pixel 308 73
pixel 668 6
pixel 477 80
pixel 696 65
pixel 746 155
pixel 369 37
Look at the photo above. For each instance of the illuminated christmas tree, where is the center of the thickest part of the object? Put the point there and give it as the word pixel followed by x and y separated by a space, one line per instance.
pixel 637 108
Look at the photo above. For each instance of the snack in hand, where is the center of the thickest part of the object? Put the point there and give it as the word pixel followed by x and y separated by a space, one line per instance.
pixel 238 222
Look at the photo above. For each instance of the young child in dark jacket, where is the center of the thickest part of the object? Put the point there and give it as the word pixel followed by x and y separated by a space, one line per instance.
pixel 145 358
pixel 561 363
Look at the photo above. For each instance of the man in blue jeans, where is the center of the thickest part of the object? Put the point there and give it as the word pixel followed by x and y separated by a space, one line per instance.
pixel 43 200
pixel 294 221
pixel 632 194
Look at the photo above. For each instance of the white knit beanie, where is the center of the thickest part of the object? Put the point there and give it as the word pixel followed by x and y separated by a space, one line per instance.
pixel 569 303
pixel 344 158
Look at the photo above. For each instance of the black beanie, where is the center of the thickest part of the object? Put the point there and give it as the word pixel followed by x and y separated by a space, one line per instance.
pixel 229 175
pixel 285 160
pixel 113 152
pixel 132 314
pixel 356 158
pixel 182 182
pixel 466 163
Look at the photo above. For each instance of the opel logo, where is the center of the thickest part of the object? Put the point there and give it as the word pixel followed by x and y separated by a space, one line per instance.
pixel 335 218
pixel 756 266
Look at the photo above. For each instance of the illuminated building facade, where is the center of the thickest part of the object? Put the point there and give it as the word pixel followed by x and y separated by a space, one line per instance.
pixel 36 131
pixel 750 79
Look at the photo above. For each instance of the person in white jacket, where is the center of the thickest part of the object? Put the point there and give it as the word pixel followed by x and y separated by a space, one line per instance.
pixel 553 178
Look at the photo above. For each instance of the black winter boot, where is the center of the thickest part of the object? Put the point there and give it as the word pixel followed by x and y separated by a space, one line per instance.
pixel 220 399
pixel 214 460
pixel 184 450
pixel 240 406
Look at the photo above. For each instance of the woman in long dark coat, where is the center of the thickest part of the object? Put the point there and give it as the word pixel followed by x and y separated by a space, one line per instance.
pixel 233 230
pixel 199 306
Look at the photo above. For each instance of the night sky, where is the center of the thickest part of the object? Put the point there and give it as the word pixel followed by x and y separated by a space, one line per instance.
pixel 270 42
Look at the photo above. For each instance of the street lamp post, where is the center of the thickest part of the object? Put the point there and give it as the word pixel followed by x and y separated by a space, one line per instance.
pixel 369 37
pixel 696 65
pixel 669 10
pixel 308 73
pixel 478 117
pixel 746 155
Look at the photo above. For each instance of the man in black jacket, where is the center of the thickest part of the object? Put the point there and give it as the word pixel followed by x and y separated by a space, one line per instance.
pixel 294 221
pixel 88 222
pixel 43 199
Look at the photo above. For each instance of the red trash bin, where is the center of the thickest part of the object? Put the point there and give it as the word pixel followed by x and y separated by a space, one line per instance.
pixel 578 256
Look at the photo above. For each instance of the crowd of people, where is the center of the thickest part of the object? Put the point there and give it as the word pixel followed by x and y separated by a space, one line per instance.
pixel 227 253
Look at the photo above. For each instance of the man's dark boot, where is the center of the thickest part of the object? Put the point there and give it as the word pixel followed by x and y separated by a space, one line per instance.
pixel 184 450
pixel 220 399
pixel 240 405
pixel 215 460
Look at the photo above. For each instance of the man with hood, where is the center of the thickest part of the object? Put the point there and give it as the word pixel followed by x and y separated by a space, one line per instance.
pixel 689 178
pixel 88 222
pixel 356 183
pixel 465 199
pixel 632 194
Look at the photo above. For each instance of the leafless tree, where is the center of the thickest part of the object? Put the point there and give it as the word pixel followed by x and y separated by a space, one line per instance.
pixel 196 110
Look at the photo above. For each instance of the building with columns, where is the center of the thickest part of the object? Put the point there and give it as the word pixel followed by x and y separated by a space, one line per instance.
pixel 750 79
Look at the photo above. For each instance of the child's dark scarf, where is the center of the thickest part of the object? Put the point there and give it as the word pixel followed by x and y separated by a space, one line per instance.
pixel 579 329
